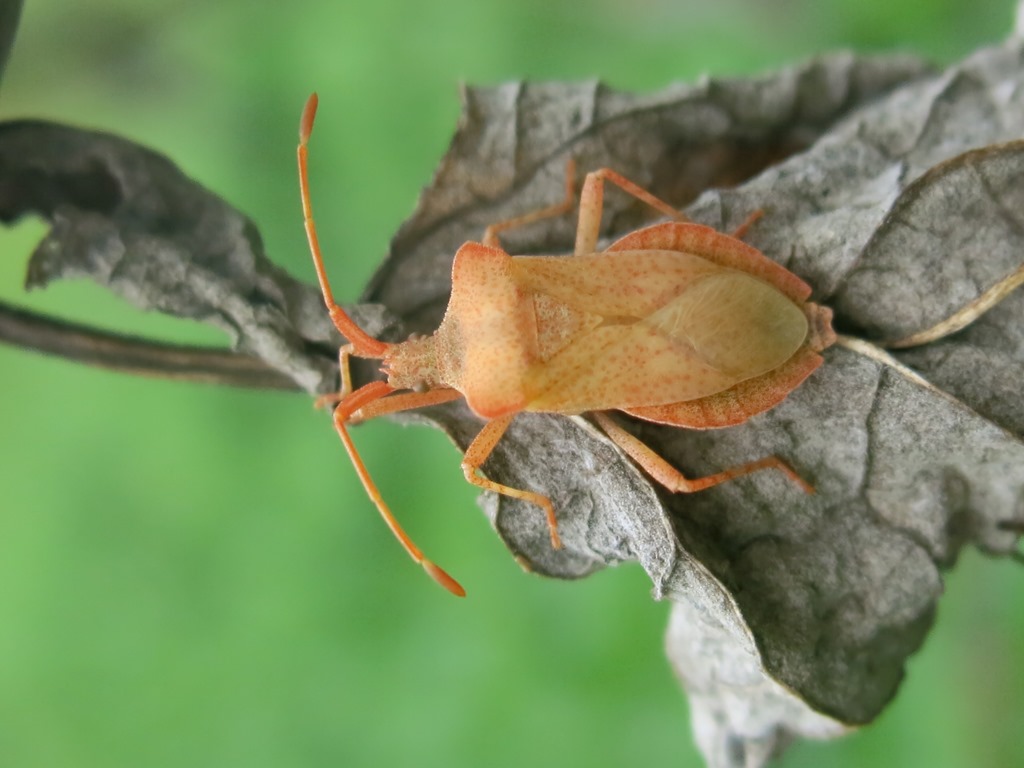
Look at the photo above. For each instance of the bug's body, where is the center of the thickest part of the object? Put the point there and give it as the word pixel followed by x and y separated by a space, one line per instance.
pixel 626 329
pixel 675 323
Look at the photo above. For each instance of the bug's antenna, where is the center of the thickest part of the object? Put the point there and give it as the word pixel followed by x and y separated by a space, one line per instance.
pixel 366 394
pixel 364 345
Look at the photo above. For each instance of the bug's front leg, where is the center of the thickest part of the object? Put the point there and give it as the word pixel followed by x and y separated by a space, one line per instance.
pixel 592 206
pixel 333 398
pixel 561 208
pixel 477 454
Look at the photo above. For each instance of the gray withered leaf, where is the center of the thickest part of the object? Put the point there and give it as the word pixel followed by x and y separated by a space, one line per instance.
pixel 905 212
pixel 794 614
pixel 128 218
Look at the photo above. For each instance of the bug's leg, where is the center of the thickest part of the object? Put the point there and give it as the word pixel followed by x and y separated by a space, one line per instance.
pixel 333 398
pixel 966 315
pixel 362 398
pixel 561 208
pixel 477 454
pixel 406 401
pixel 752 219
pixel 363 344
pixel 672 478
pixel 592 205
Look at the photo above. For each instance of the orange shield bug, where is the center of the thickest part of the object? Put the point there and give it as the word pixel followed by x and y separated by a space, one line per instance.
pixel 675 323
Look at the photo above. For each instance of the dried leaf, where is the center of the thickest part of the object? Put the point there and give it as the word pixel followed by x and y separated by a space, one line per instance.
pixel 129 219
pixel 793 615
pixel 786 606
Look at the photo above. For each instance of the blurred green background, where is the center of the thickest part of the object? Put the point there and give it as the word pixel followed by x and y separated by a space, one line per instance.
pixel 191 576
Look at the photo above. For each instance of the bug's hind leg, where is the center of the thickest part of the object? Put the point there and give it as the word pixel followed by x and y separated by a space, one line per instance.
pixel 477 454
pixel 676 481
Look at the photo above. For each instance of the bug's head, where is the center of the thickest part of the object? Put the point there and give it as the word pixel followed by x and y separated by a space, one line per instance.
pixel 412 364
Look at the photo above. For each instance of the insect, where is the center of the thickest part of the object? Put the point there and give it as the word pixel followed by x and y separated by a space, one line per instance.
pixel 675 323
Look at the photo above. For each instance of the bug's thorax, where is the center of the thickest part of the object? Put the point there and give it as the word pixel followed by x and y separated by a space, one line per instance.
pixel 483 347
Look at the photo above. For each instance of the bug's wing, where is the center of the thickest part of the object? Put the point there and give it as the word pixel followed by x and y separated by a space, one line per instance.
pixel 738 403
pixel 715 246
pixel 734 323
pixel 723 328
pixel 625 284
